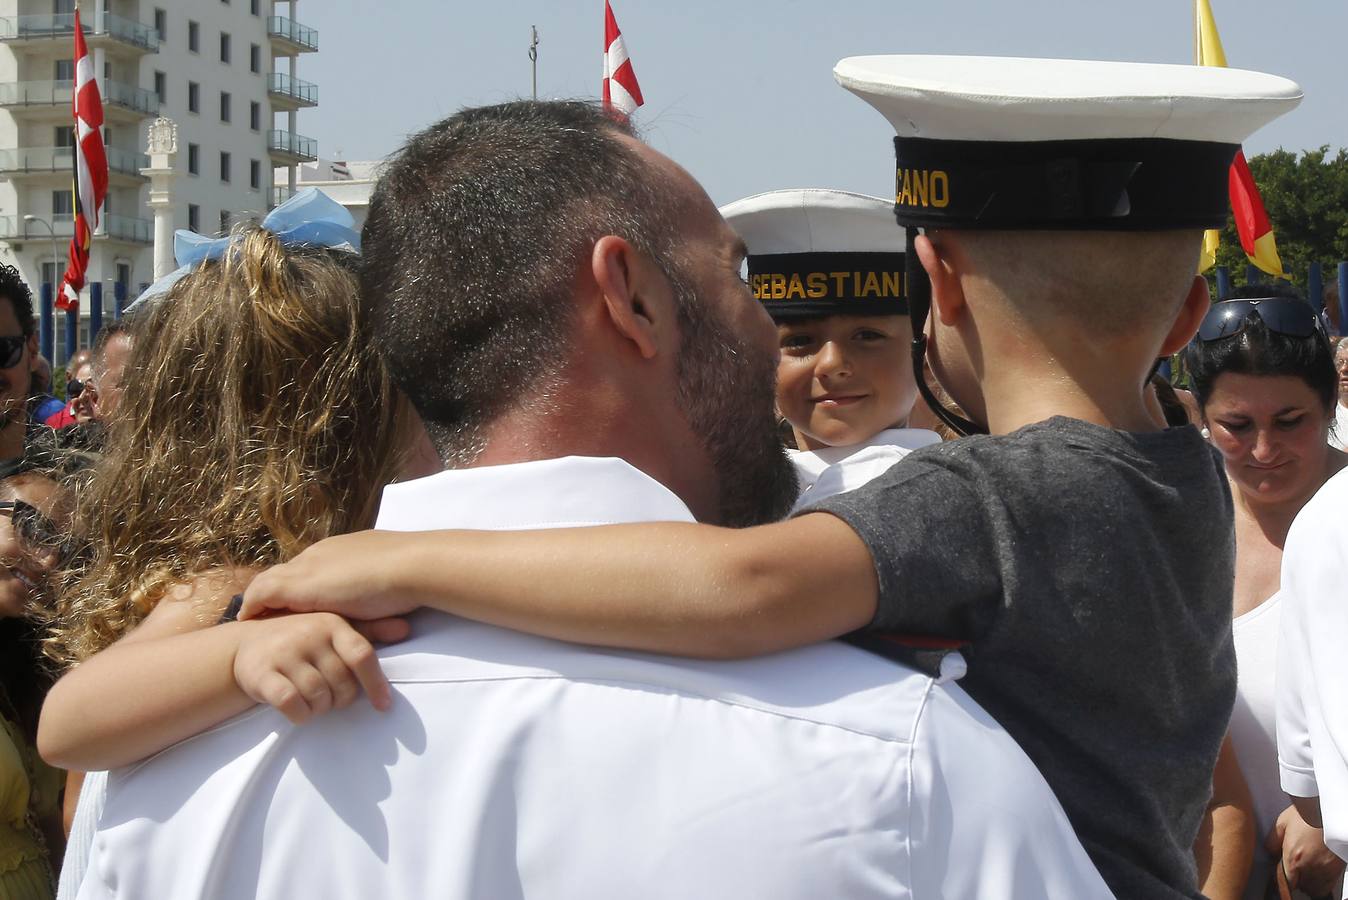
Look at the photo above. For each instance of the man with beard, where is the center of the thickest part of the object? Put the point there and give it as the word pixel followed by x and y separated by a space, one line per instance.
pixel 563 307
pixel 18 359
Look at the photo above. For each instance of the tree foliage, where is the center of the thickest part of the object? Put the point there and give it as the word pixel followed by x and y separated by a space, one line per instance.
pixel 1306 197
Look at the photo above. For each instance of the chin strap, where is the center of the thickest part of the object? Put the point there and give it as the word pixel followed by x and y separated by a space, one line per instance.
pixel 917 287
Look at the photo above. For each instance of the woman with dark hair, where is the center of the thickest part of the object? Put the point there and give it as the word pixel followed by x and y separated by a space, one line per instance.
pixel 1264 378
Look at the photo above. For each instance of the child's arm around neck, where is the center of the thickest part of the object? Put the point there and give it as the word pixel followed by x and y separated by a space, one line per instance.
pixel 689 590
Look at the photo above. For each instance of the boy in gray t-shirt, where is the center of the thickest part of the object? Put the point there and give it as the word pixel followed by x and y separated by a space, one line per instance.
pixel 1091 572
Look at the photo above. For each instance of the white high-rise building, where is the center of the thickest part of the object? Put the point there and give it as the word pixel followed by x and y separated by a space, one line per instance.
pixel 223 70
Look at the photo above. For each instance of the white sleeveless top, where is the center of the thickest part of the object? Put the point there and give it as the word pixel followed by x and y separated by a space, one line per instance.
pixel 1256 639
pixel 1252 725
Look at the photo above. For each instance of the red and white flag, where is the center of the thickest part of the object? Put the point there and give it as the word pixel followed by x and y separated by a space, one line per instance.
pixel 621 91
pixel 91 170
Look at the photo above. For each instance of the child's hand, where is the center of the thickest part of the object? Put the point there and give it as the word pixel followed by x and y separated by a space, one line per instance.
pixel 305 665
pixel 1310 865
pixel 350 574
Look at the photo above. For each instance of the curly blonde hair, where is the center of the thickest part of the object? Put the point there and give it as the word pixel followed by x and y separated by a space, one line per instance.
pixel 258 420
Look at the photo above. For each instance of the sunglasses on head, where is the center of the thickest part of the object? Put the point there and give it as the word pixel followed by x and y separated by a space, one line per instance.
pixel 11 350
pixel 36 530
pixel 1282 315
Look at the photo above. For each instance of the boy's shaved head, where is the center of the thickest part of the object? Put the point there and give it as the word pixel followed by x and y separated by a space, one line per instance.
pixel 1102 280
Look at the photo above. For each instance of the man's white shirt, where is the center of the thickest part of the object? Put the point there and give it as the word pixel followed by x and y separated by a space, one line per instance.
pixel 514 767
pixel 1338 437
pixel 1312 690
pixel 836 470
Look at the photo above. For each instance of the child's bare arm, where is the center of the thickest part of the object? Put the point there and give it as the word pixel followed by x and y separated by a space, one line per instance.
pixel 692 590
pixel 168 679
pixel 173 677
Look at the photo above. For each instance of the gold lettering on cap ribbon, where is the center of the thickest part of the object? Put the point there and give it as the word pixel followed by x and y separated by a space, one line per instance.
pixel 927 188
pixel 816 285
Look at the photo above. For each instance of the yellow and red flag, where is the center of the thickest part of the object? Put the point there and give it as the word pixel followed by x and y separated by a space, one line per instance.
pixel 91 170
pixel 1252 224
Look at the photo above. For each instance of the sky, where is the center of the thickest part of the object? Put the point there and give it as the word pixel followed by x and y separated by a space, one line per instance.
pixel 741 92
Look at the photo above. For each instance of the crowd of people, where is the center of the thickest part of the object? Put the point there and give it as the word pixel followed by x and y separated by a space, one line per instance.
pixel 560 534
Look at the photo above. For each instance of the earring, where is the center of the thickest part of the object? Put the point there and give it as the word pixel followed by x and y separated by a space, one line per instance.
pixel 1207 435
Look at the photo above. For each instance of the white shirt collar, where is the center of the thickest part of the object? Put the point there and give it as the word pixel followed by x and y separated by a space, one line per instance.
pixel 904 438
pixel 568 492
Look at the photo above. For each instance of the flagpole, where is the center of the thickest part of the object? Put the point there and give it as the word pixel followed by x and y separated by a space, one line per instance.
pixel 533 57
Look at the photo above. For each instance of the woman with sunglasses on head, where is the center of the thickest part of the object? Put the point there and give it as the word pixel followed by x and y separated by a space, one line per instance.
pixel 1264 378
pixel 264 421
pixel 34 540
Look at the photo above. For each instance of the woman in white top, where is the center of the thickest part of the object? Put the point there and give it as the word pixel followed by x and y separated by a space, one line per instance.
pixel 1266 387
pixel 1338 437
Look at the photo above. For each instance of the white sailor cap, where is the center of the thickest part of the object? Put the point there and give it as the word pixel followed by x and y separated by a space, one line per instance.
pixel 819 252
pixel 1007 143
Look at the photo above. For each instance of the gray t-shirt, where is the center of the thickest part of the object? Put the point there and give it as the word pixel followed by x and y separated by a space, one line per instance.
pixel 1092 572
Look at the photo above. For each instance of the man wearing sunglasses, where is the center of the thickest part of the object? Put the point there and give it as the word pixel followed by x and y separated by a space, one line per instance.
pixel 112 351
pixel 18 358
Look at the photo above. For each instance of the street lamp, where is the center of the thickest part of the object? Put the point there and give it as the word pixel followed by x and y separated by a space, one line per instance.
pixel 55 271
pixel 55 247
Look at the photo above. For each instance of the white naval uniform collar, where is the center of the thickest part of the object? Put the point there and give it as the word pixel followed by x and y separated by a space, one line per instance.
pixel 874 456
pixel 903 438
pixel 566 492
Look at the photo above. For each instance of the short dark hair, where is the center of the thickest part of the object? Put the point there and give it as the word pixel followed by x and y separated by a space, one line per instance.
pixel 1256 350
pixel 15 289
pixel 472 241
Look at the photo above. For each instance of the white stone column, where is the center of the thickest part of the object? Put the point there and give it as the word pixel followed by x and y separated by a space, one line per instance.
pixel 163 147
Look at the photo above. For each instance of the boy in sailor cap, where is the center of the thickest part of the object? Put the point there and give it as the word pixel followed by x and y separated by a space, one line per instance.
pixel 1085 554
pixel 827 268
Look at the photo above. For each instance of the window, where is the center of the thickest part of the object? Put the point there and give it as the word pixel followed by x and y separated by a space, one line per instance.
pixel 224 166
pixel 48 268
pixel 123 284
pixel 255 115
pixel 62 203
pixel 64 70
pixel 254 59
pixel 193 159
pixel 194 218
pixel 254 7
pixel 255 174
pixel 161 87
pixel 224 48
pixel 63 7
pixel 194 37
pixel 193 97
pixel 224 221
pixel 224 106
pixel 65 136
pixel 161 23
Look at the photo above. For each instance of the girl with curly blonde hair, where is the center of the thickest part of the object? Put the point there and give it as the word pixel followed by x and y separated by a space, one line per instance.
pixel 258 420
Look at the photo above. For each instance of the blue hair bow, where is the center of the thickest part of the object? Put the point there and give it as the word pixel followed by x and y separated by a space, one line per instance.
pixel 308 219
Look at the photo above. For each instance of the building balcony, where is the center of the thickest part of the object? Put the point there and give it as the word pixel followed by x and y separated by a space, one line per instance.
pixel 288 148
pixel 41 97
pixel 23 161
pixel 289 37
pixel 280 193
pixel 123 229
pixel 114 31
pixel 291 93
